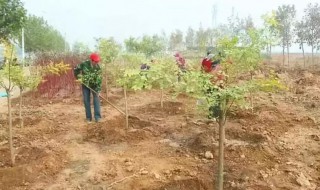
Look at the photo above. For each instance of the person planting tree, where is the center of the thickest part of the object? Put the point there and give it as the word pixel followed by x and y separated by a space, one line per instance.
pixel 89 74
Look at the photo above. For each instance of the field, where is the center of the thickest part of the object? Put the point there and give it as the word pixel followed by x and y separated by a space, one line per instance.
pixel 277 146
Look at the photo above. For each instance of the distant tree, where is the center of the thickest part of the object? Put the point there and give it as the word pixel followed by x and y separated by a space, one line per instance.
pixel 285 16
pixel 109 50
pixel 301 34
pixel 148 45
pixel 12 14
pixel 312 19
pixel 270 32
pixel 240 25
pixel 176 40
pixel 211 37
pixel 248 23
pixel 190 38
pixel 132 45
pixel 40 36
pixel 80 48
pixel 164 39
pixel 235 25
pixel 202 38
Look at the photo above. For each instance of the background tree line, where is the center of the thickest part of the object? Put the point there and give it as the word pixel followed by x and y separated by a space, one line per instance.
pixel 280 28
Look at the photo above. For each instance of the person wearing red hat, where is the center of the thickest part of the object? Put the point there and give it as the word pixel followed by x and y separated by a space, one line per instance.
pixel 90 75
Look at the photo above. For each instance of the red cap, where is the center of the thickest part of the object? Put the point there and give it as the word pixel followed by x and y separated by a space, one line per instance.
pixel 95 57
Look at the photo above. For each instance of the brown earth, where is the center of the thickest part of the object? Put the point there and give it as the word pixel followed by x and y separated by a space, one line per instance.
pixel 277 146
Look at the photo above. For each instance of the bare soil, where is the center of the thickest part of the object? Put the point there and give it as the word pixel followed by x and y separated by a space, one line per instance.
pixel 277 146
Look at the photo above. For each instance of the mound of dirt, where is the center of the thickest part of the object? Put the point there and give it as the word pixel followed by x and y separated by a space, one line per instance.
pixel 201 142
pixel 114 131
pixel 106 135
pixel 31 164
pixel 169 108
pixel 250 137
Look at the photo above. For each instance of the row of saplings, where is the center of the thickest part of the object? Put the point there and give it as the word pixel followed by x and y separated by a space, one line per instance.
pixel 218 91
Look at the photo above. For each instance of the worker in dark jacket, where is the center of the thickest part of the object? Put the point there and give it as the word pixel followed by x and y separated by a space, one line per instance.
pixel 90 75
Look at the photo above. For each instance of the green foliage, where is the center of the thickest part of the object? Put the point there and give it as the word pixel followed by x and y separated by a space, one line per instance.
pixel 9 73
pixel 285 16
pixel 163 74
pixel 240 57
pixel 23 80
pixel 108 49
pixel 269 31
pixel 132 45
pixel 239 26
pixel 18 77
pixel 190 38
pixel 195 84
pixel 133 60
pixel 12 16
pixel 40 36
pixel 133 79
pixel 148 45
pixel 176 40
pixel 91 78
pixel 202 37
pixel 270 20
pixel 301 31
pixel 9 52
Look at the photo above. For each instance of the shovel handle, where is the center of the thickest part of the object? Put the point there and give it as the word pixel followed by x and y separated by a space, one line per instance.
pixel 105 100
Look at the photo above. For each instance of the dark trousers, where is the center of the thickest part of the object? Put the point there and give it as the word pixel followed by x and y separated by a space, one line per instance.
pixel 86 92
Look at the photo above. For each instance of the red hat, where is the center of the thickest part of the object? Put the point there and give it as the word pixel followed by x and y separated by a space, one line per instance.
pixel 95 57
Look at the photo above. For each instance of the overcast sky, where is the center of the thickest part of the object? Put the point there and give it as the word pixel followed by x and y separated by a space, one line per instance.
pixel 83 20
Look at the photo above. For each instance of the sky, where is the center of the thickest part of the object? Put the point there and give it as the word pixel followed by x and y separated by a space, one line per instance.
pixel 85 20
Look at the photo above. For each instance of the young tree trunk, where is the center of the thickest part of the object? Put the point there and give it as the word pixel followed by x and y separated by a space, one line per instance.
pixel 270 53
pixel 270 50
pixel 288 53
pixel 126 102
pixel 105 74
pixel 222 121
pixel 251 95
pixel 221 147
pixel 312 49
pixel 161 98
pixel 304 58
pixel 20 108
pixel 10 129
pixel 283 57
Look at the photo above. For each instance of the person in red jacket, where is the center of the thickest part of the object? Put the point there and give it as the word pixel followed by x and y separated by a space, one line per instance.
pixel 211 64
